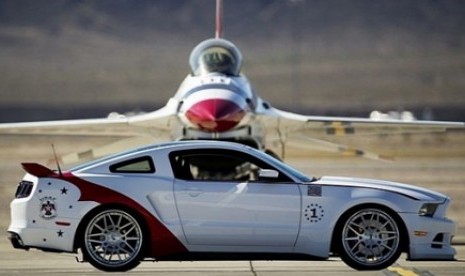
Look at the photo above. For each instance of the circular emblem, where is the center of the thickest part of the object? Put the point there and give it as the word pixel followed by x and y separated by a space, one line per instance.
pixel 48 208
pixel 314 213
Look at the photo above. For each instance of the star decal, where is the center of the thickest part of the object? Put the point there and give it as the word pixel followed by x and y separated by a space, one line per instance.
pixel 64 191
pixel 60 233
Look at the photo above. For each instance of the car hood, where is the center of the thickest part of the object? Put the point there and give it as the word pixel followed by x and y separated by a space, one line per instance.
pixel 415 192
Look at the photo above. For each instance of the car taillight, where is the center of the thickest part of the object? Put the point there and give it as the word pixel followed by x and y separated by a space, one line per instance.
pixel 24 189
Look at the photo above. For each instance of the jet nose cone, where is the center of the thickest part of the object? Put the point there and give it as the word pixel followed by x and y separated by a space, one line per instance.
pixel 215 115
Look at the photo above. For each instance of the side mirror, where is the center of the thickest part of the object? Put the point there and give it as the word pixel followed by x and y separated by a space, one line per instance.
pixel 266 173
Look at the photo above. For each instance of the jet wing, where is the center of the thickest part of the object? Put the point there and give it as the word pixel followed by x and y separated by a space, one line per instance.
pixel 287 124
pixel 87 127
pixel 319 132
pixel 153 123
pixel 132 131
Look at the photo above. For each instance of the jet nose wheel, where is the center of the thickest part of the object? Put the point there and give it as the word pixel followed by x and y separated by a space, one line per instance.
pixel 113 241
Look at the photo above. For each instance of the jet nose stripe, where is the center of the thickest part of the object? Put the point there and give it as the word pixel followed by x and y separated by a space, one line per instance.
pixel 215 115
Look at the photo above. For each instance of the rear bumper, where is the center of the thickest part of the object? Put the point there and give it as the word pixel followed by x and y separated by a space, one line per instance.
pixel 29 230
pixel 16 241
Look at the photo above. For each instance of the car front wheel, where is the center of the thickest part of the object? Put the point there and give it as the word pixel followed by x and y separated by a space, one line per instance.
pixel 369 239
pixel 113 241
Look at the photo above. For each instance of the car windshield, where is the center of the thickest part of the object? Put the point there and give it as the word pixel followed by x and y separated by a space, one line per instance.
pixel 282 166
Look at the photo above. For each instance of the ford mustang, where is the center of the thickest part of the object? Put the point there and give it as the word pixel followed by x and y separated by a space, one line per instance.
pixel 210 200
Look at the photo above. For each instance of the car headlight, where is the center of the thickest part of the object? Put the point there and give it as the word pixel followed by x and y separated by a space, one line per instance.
pixel 428 209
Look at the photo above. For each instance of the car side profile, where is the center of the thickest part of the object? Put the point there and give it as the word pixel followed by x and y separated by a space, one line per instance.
pixel 210 200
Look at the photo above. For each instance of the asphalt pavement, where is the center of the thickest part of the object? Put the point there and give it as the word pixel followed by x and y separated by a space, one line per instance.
pixel 35 262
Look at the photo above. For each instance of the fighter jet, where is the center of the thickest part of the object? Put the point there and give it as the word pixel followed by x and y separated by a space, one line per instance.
pixel 216 101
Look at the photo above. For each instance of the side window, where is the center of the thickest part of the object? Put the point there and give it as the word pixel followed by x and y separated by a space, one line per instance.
pixel 142 164
pixel 215 165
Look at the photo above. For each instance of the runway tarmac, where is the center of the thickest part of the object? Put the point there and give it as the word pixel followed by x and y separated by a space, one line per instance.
pixel 35 262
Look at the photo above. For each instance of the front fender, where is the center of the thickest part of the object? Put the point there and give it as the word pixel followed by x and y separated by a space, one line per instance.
pixel 322 210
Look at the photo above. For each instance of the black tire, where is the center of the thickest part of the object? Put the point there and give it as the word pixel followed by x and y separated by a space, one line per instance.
pixel 113 241
pixel 369 239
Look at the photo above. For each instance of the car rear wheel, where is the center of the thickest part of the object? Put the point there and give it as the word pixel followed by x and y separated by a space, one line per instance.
pixel 369 239
pixel 113 241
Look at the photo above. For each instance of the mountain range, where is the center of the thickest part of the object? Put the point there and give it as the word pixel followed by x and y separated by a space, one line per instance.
pixel 76 58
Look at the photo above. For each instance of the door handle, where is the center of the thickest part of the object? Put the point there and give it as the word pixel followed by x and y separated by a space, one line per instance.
pixel 194 192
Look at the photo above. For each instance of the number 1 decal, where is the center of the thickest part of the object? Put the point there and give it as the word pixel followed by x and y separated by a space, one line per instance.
pixel 314 213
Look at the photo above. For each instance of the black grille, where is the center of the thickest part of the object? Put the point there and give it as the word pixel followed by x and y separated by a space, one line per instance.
pixel 24 189
pixel 438 241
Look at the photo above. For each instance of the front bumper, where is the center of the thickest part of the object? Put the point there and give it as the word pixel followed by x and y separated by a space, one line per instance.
pixel 430 237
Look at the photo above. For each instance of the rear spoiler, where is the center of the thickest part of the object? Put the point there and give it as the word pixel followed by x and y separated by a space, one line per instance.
pixel 37 170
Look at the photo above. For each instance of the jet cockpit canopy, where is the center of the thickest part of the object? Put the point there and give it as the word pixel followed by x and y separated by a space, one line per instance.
pixel 215 56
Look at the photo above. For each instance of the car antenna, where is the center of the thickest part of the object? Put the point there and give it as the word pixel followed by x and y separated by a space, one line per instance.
pixel 219 19
pixel 56 160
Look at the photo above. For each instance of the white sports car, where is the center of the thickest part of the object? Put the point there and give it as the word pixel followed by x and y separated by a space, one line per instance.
pixel 213 200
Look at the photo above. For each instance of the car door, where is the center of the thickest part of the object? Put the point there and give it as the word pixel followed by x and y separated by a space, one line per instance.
pixel 220 201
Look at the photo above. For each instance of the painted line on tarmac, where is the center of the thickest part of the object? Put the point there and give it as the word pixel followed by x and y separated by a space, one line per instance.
pixel 396 270
pixel 252 269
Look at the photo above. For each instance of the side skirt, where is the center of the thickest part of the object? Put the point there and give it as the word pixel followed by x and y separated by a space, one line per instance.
pixel 215 256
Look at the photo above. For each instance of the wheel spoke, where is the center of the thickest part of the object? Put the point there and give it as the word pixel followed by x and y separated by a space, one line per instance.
pixel 120 218
pixel 352 239
pixel 129 252
pixel 99 228
pixel 96 241
pixel 126 225
pixel 371 218
pixel 129 231
pixel 105 224
pixel 112 223
pixel 364 222
pixel 97 249
pixel 389 238
pixel 95 235
pixel 354 230
pixel 388 232
pixel 356 245
pixel 111 256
